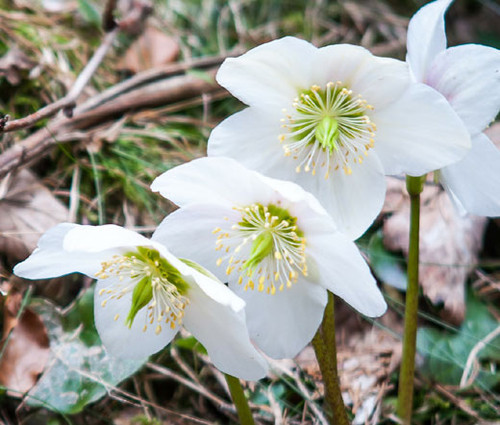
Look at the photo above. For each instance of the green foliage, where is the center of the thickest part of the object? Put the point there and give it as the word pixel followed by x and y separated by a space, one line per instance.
pixel 446 353
pixel 89 12
pixel 388 267
pixel 79 371
pixel 190 343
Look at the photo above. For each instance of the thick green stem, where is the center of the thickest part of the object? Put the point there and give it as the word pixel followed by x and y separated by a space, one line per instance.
pixel 414 186
pixel 239 400
pixel 326 353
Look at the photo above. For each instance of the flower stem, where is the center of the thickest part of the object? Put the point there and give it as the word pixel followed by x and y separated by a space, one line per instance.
pixel 414 186
pixel 239 400
pixel 326 353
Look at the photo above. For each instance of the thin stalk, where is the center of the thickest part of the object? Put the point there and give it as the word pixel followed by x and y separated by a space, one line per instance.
pixel 239 400
pixel 414 186
pixel 325 348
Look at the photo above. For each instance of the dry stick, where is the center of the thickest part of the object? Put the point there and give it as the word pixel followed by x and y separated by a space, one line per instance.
pixel 67 102
pixel 465 381
pixel 159 93
pixel 224 405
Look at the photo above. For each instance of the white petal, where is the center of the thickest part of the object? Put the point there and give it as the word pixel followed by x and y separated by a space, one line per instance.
pixel 187 233
pixel 250 137
pixel 49 259
pixel 214 180
pixel 269 74
pixel 343 271
pixel 426 37
pixel 378 80
pixel 475 180
pixel 469 77
pixel 100 238
pixel 284 323
pixel 419 133
pixel 116 336
pixel 216 317
pixel 354 200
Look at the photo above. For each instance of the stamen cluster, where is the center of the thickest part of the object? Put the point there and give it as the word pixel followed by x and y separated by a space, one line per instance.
pixel 329 127
pixel 153 282
pixel 265 247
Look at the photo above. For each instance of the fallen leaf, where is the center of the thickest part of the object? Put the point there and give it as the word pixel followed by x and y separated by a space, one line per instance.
pixel 79 370
pixel 153 48
pixel 27 210
pixel 25 347
pixel 13 63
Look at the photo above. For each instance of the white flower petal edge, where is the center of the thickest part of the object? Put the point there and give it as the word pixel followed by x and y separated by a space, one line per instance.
pixel 252 138
pixel 354 201
pixel 469 78
pixel 267 248
pixel 440 140
pixel 144 292
pixel 271 74
pixel 50 259
pixel 349 276
pixel 282 326
pixel 426 37
pixel 208 318
pixel 224 181
pixel 379 80
pixel 475 180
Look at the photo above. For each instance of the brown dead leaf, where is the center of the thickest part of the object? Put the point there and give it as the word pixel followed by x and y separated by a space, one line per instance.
pixel 27 350
pixel 13 63
pixel 449 244
pixel 153 48
pixel 27 209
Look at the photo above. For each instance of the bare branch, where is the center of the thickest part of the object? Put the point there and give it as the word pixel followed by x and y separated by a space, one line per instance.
pixel 131 23
pixel 61 130
pixel 67 103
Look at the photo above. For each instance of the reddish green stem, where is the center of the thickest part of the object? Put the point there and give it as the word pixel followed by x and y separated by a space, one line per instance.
pixel 325 348
pixel 414 186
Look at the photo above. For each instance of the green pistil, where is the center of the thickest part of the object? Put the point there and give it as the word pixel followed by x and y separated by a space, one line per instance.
pixel 262 246
pixel 142 295
pixel 154 270
pixel 327 133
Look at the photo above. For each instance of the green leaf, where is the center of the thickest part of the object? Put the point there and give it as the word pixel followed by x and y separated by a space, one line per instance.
pixel 388 267
pixel 190 343
pixel 446 352
pixel 89 13
pixel 79 370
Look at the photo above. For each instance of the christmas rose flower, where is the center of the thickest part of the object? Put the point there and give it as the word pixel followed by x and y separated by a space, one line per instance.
pixel 144 294
pixel 335 120
pixel 272 242
pixel 469 78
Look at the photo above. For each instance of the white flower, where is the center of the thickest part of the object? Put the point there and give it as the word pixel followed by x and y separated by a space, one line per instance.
pixel 469 77
pixel 144 293
pixel 272 241
pixel 334 120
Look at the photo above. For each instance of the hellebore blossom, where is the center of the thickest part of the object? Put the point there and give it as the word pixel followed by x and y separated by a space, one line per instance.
pixel 144 294
pixel 335 120
pixel 469 78
pixel 272 242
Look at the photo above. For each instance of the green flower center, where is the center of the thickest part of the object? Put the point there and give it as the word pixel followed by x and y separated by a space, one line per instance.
pixel 265 247
pixel 328 128
pixel 155 284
